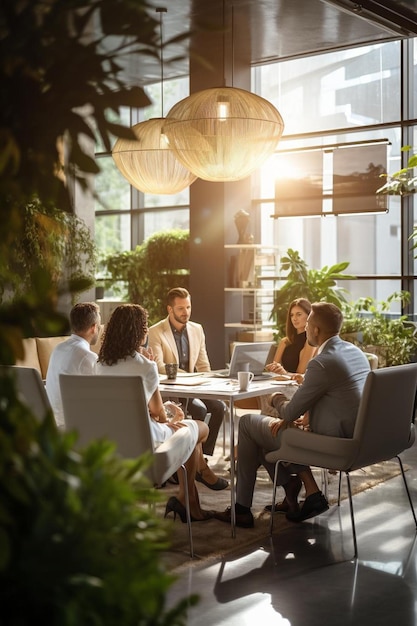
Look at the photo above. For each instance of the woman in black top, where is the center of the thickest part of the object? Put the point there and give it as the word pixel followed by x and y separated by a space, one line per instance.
pixel 293 352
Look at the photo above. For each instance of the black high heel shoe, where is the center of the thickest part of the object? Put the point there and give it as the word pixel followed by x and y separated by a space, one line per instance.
pixel 175 506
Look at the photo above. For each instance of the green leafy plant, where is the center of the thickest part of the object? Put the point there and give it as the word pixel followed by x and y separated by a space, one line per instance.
pixel 369 324
pixel 52 240
pixel 303 282
pixel 42 112
pixel 79 542
pixel 49 120
pixel 403 182
pixel 152 269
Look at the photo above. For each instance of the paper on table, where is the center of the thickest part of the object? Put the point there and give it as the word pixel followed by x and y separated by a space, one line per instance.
pixel 284 383
pixel 188 381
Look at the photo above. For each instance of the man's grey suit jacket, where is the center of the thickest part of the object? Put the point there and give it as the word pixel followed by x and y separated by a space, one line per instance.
pixel 331 390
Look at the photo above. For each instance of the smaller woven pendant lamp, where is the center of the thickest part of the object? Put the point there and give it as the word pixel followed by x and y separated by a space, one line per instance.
pixel 223 133
pixel 148 161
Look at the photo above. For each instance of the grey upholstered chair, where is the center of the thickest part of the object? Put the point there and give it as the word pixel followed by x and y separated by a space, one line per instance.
pixel 383 430
pixel 31 389
pixel 115 407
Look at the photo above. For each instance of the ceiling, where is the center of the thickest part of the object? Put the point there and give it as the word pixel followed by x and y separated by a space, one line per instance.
pixel 268 30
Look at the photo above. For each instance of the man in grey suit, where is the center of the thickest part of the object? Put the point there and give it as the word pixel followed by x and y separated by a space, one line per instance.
pixel 176 339
pixel 328 398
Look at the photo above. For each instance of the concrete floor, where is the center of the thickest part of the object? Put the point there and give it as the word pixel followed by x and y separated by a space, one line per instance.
pixel 306 575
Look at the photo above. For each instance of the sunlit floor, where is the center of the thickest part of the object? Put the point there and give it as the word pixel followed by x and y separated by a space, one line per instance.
pixel 305 576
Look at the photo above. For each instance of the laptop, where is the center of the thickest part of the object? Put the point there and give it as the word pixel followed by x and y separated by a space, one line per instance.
pixel 249 356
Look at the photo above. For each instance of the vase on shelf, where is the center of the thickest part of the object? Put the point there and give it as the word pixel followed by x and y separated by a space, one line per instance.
pixel 242 219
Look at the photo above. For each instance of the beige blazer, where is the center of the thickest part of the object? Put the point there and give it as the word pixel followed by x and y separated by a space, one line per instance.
pixel 162 342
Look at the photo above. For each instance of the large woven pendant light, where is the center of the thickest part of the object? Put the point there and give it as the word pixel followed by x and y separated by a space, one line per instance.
pixel 148 161
pixel 223 133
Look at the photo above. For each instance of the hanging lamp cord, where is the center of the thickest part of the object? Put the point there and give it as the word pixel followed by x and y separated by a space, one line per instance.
pixel 161 10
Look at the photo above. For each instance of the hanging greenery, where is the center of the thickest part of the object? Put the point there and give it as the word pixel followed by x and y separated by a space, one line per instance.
pixel 54 241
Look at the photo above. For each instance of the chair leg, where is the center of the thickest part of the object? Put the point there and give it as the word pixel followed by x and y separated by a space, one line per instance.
pixel 325 482
pixel 407 490
pixel 340 489
pixel 274 491
pixel 352 517
pixel 187 509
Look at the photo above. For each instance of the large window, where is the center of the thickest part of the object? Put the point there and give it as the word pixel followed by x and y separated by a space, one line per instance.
pixel 330 103
pixel 125 216
pixel 334 105
pixel 343 89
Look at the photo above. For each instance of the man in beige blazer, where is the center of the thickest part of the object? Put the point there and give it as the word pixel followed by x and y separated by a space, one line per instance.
pixel 176 339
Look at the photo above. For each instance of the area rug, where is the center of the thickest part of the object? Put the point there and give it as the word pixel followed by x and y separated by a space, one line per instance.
pixel 212 539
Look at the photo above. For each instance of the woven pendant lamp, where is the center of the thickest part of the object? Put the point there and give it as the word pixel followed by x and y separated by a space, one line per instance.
pixel 223 133
pixel 148 161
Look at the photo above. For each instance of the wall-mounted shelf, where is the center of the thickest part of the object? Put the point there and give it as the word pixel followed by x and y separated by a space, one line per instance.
pixel 253 273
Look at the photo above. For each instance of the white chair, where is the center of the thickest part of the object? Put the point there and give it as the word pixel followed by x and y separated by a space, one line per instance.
pixel 114 407
pixel 383 430
pixel 31 389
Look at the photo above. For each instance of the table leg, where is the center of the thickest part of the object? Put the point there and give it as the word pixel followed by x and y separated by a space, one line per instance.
pixel 232 468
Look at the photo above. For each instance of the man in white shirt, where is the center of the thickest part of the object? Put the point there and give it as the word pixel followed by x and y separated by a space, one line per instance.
pixel 73 356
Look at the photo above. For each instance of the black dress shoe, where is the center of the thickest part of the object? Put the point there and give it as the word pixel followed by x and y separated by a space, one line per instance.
pixel 243 520
pixel 313 505
pixel 292 489
pixel 221 483
pixel 283 507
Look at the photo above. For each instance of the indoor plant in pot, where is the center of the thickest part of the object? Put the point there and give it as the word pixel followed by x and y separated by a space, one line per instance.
pixel 152 269
pixel 304 282
pixel 369 324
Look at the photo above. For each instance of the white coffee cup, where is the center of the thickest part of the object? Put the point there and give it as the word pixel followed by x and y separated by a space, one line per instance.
pixel 245 379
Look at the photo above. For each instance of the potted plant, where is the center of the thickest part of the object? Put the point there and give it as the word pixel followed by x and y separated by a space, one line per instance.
pixel 152 269
pixel 303 282
pixel 369 324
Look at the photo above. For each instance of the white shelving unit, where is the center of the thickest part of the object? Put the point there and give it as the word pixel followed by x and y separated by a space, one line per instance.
pixel 253 272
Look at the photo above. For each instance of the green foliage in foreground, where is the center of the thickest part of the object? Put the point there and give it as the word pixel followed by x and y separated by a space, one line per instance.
pixel 79 544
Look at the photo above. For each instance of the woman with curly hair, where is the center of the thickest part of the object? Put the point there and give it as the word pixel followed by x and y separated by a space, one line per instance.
pixel 123 353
